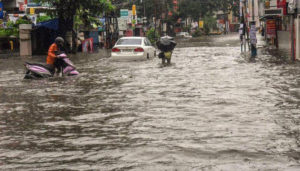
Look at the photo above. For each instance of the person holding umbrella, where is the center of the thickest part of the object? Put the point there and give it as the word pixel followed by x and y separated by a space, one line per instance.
pixel 166 45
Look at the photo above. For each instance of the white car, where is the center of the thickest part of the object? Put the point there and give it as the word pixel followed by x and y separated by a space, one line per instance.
pixel 133 49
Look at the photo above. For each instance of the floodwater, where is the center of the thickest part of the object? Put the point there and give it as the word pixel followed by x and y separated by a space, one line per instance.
pixel 212 109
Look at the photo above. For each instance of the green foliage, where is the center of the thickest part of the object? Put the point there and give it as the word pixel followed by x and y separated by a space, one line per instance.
pixel 152 35
pixel 210 23
pixel 13 28
pixel 43 18
pixel 228 5
pixel 66 9
pixel 200 8
pixel 197 33
pixel 9 32
pixel 196 8
pixel 22 21
pixel 10 24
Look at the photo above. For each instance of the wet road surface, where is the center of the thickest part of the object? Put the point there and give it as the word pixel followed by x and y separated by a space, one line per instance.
pixel 213 109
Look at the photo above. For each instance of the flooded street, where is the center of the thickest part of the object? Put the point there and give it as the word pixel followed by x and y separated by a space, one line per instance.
pixel 213 109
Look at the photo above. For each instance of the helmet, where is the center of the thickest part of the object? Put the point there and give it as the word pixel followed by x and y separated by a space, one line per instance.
pixel 59 41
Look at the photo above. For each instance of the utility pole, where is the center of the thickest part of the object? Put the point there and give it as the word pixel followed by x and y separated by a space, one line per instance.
pixel 155 14
pixel 246 24
pixel 253 13
pixel 144 8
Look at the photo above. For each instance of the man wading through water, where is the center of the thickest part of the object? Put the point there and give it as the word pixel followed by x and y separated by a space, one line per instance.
pixel 166 45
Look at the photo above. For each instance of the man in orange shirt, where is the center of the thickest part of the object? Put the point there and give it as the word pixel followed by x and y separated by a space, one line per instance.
pixel 53 50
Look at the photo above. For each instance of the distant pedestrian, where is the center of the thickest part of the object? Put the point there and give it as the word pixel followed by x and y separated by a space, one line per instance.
pixel 253 40
pixel 263 31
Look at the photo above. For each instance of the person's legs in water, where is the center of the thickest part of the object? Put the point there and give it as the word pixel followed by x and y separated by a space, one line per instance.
pixel 58 66
pixel 169 61
pixel 163 60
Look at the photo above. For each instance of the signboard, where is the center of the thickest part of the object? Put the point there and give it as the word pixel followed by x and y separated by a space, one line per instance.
pixel 133 9
pixel 273 4
pixel 124 13
pixel 102 26
pixel 271 29
pixel 201 24
pixel 278 12
pixel 1 10
pixel 129 17
pixel 32 11
pixel 122 24
pixel 292 6
pixel 87 45
pixel 22 6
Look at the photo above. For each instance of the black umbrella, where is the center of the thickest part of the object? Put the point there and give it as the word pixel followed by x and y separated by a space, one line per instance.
pixel 166 44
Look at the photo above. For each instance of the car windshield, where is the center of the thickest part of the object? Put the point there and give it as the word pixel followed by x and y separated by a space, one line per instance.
pixel 129 42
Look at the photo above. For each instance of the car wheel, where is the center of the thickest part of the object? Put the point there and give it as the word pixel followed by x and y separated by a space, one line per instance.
pixel 148 56
pixel 154 53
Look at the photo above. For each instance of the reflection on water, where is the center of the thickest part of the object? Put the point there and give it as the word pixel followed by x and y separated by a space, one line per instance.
pixel 211 110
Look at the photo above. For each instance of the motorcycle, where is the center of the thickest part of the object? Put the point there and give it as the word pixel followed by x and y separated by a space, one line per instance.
pixel 38 71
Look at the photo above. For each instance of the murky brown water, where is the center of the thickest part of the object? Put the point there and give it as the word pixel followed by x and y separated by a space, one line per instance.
pixel 211 110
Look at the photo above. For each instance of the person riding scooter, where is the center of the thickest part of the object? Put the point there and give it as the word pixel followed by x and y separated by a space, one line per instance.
pixel 53 54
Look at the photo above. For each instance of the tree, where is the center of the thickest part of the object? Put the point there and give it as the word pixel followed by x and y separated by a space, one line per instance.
pixel 65 10
pixel 228 5
pixel 196 8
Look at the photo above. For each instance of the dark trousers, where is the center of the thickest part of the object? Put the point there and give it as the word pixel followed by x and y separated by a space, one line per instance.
pixel 253 50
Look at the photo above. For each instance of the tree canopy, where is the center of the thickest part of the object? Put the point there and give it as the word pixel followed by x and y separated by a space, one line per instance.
pixel 187 8
pixel 65 10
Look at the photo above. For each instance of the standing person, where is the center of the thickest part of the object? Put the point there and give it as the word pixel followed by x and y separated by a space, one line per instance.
pixel 263 31
pixel 242 34
pixel 54 49
pixel 253 40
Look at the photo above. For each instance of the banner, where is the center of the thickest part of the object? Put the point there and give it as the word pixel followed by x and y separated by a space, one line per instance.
pixel 1 10
pixel 201 24
pixel 87 45
pixel 124 13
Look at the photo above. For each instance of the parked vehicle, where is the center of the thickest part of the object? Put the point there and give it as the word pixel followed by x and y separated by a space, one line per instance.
pixel 38 71
pixel 133 49
pixel 183 35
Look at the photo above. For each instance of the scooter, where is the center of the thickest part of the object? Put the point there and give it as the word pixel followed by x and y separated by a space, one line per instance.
pixel 38 71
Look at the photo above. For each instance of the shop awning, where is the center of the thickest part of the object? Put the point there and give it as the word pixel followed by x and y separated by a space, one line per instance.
pixel 50 24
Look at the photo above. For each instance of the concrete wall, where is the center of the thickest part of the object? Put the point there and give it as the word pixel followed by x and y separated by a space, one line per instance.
pixel 256 11
pixel 284 42
pixel 261 10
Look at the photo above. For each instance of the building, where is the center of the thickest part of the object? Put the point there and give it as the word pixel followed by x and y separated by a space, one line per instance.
pixel 13 6
pixel 17 6
pixel 280 20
